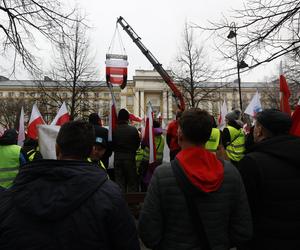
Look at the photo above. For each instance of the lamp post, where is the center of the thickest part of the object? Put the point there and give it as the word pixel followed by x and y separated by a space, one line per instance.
pixel 239 64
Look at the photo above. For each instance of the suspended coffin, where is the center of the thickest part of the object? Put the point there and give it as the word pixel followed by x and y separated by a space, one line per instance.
pixel 116 70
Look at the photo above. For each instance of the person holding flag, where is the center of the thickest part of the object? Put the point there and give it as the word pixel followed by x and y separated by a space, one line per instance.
pixel 125 142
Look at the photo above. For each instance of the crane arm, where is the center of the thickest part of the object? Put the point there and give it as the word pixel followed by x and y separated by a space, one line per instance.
pixel 157 66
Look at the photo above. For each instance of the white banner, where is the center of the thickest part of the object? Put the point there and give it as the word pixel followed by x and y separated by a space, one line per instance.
pixel 47 140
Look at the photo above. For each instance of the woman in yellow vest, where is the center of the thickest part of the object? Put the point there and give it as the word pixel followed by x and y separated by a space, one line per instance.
pixel 11 158
pixel 215 137
pixel 147 170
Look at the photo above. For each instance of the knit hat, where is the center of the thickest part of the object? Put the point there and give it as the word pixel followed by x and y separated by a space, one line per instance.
pixel 233 115
pixel 123 115
pixel 275 121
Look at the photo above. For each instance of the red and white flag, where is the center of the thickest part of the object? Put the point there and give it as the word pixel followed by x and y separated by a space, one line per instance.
pixel 149 135
pixel 116 70
pixel 21 134
pixel 221 118
pixel 295 129
pixel 254 106
pixel 284 93
pixel 35 119
pixel 62 116
pixel 134 118
pixel 112 116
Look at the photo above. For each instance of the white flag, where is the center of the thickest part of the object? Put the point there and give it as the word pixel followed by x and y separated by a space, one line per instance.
pixel 222 115
pixel 254 106
pixel 21 135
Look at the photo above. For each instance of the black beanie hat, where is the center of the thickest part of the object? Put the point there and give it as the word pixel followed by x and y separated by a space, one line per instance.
pixel 275 121
pixel 123 115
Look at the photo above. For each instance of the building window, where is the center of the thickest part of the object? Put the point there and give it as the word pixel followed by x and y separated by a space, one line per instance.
pixel 130 100
pixel 21 94
pixel 86 95
pixel 96 95
pixel 106 95
pixel 1 94
pixel 10 94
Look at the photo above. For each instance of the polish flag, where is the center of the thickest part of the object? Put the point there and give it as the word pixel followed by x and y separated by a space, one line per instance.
pixel 21 134
pixel 221 118
pixel 62 116
pixel 35 119
pixel 254 106
pixel 135 118
pixel 295 129
pixel 149 135
pixel 112 116
pixel 284 93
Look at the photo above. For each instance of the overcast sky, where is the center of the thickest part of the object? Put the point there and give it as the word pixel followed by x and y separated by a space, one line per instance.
pixel 160 24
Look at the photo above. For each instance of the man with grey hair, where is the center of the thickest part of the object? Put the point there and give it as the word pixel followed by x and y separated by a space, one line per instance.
pixel 271 174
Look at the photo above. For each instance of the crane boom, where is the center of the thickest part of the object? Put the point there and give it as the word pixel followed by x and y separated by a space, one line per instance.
pixel 163 73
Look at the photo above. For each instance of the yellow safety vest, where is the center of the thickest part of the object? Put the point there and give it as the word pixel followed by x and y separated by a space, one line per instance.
pixel 159 144
pixel 99 163
pixel 214 140
pixel 9 164
pixel 138 159
pixel 236 149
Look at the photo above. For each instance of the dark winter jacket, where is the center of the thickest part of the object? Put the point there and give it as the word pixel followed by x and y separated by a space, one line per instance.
pixel 126 142
pixel 165 222
pixel 271 174
pixel 64 205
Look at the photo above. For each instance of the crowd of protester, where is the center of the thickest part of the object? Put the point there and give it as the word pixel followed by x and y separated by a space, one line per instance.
pixel 221 189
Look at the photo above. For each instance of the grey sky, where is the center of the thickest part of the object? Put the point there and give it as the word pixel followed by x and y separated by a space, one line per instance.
pixel 158 22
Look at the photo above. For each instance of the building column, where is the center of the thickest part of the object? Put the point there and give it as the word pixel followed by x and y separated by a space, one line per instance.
pixel 136 103
pixel 142 104
pixel 165 109
pixel 170 104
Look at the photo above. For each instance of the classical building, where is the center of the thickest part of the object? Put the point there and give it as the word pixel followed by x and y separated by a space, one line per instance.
pixel 146 86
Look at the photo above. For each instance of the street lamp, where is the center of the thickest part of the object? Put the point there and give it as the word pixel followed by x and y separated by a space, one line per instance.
pixel 239 64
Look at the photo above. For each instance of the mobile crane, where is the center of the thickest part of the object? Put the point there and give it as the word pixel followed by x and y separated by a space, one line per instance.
pixel 163 73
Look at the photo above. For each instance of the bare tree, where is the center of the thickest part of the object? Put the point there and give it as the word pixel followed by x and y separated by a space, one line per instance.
pixel 266 30
pixel 192 70
pixel 73 73
pixel 22 19
pixel 10 108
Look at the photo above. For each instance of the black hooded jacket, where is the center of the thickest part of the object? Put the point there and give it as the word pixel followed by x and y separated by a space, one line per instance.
pixel 271 174
pixel 64 205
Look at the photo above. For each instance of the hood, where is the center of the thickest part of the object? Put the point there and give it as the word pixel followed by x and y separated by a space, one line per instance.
pixel 9 137
pixel 51 189
pixel 284 147
pixel 157 131
pixel 202 168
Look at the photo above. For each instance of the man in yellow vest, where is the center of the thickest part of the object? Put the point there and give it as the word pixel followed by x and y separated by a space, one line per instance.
pixel 214 140
pixel 233 137
pixel 10 158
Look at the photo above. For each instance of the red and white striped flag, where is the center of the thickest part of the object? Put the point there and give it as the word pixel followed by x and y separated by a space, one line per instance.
pixel 149 135
pixel 135 118
pixel 35 119
pixel 112 115
pixel 284 93
pixel 62 116
pixel 21 134
pixel 295 129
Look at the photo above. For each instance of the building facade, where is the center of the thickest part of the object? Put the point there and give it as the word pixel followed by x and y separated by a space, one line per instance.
pixel 146 86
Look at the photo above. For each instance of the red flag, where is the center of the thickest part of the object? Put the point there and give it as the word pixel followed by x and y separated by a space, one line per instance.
pixel 112 116
pixel 134 118
pixel 149 135
pixel 35 119
pixel 62 116
pixel 284 95
pixel 295 129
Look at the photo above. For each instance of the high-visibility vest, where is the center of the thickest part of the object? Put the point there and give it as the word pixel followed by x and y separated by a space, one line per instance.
pixel 138 159
pixel 159 144
pixel 99 163
pixel 9 164
pixel 236 149
pixel 214 140
pixel 31 153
